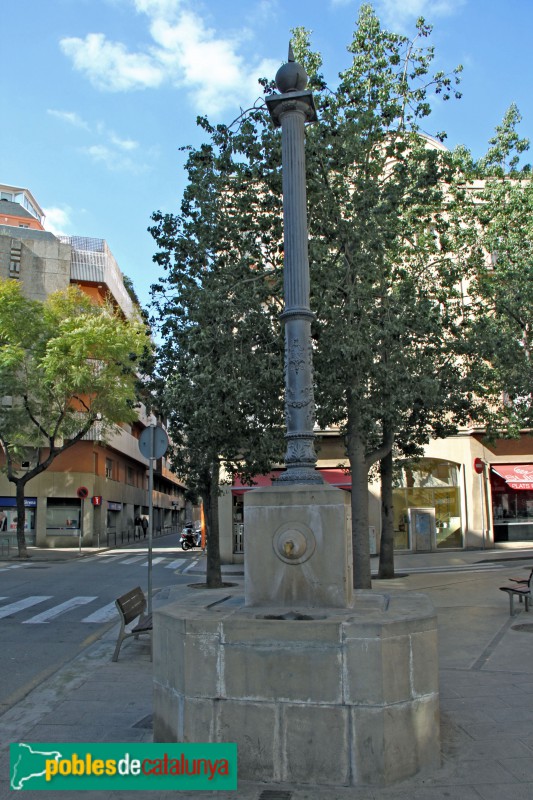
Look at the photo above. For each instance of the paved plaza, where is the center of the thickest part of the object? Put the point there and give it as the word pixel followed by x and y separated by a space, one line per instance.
pixel 486 688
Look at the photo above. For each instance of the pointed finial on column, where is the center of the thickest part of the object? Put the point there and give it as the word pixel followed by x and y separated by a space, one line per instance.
pixel 291 77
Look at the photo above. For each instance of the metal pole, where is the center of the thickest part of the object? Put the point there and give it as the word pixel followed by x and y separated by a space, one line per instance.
pixel 482 508
pixel 290 110
pixel 81 526
pixel 150 516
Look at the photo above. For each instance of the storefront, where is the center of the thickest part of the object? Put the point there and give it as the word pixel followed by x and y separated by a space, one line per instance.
pixel 114 516
pixel 427 506
pixel 512 502
pixel 8 518
pixel 63 516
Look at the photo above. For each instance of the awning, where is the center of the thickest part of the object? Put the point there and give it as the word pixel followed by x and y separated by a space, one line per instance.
pixel 516 476
pixel 334 476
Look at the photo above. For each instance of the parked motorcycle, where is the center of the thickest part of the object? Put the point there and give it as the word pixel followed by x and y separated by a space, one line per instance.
pixel 190 538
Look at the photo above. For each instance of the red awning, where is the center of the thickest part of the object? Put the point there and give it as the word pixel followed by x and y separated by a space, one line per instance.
pixel 334 476
pixel 517 476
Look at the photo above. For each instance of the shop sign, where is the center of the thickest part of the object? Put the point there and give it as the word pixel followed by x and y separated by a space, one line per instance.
pixel 516 476
pixel 96 500
pixel 11 502
pixel 114 506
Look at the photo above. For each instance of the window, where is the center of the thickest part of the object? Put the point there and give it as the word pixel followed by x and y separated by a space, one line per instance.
pixel 14 259
pixel 108 468
pixel 429 484
pixel 63 516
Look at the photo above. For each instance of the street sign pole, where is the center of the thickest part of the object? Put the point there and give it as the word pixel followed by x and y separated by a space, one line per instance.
pixel 153 443
pixel 150 516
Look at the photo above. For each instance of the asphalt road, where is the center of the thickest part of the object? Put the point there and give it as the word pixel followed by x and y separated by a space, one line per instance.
pixel 51 611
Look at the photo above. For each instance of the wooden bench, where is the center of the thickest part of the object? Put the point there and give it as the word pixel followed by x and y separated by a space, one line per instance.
pixel 524 593
pixel 524 583
pixel 131 606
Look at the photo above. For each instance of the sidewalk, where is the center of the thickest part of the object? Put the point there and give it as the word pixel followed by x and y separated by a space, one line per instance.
pixel 486 680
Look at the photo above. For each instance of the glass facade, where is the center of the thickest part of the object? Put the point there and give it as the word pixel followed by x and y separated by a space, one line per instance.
pixel 512 511
pixel 63 516
pixel 432 486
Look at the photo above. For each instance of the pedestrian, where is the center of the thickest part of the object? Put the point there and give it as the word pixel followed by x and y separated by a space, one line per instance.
pixel 138 526
pixel 144 523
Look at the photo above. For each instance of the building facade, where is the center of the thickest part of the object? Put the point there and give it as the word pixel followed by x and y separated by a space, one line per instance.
pixel 465 493
pixel 93 492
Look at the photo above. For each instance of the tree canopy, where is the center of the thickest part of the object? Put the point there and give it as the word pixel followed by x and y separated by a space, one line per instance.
pixel 394 260
pixel 65 364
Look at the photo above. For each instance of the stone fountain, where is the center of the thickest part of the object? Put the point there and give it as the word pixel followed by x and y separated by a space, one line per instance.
pixel 317 683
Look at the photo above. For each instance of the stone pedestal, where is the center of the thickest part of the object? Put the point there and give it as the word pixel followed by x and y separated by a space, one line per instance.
pixel 339 697
pixel 298 547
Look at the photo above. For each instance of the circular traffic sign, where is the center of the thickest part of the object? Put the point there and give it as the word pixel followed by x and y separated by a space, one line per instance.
pixel 82 492
pixel 479 465
pixel 153 442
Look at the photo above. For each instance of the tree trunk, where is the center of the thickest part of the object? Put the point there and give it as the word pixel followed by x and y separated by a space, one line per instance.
pixel 386 550
pixel 359 502
pixel 210 499
pixel 21 518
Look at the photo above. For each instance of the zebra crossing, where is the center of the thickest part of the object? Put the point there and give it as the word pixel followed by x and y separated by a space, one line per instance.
pixel 19 609
pixel 169 562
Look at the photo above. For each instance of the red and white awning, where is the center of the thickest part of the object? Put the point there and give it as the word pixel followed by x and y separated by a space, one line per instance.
pixel 516 476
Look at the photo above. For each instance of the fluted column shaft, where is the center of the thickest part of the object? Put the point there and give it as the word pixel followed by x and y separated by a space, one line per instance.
pixel 300 458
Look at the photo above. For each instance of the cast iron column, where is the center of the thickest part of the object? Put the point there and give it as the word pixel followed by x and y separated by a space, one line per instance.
pixel 291 109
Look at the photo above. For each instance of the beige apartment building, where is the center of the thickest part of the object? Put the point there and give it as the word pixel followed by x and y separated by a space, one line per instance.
pixel 93 492
pixel 463 494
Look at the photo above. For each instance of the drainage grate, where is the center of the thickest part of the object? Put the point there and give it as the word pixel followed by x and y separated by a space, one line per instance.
pixel 525 627
pixel 146 722
pixel 272 794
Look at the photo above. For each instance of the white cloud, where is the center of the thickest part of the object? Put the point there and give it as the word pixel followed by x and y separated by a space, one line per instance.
pixel 57 220
pixel 398 12
pixel 109 149
pixel 183 51
pixel 71 117
pixel 113 160
pixel 109 66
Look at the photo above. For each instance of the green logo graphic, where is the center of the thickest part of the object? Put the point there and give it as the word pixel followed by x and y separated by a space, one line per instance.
pixel 98 766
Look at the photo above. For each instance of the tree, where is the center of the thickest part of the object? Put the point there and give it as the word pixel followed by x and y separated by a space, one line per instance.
pixel 383 252
pixel 384 236
pixel 220 364
pixel 65 364
pixel 503 283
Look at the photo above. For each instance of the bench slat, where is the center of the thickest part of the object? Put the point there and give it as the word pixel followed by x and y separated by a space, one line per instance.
pixel 131 606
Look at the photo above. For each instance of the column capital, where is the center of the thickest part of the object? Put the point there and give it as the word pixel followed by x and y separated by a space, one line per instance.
pixel 303 102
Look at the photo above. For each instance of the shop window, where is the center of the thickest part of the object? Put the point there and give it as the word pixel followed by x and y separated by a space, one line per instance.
pixel 428 484
pixel 512 510
pixel 63 516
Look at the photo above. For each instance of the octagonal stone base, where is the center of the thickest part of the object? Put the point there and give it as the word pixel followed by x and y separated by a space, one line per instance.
pixel 339 697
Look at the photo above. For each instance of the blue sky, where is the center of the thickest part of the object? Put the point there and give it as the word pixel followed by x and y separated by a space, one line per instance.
pixel 99 95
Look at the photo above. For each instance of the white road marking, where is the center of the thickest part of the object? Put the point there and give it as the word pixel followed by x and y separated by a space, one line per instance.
pixel 193 564
pixel 177 563
pixel 103 614
pixel 11 566
pixel 132 560
pixel 20 605
pixel 55 611
pixel 154 561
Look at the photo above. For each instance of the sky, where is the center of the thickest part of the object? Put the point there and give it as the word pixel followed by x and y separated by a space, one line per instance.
pixel 100 95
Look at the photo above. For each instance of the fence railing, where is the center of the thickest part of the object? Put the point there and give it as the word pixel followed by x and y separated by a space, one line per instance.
pixel 133 534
